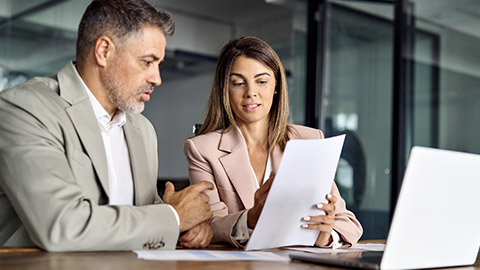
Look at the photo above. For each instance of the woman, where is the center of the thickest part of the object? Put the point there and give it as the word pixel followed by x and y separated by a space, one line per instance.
pixel 242 140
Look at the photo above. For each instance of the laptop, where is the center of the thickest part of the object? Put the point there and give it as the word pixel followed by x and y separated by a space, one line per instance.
pixel 436 221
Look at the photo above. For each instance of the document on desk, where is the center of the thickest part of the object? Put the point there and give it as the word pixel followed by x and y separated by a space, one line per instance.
pixel 209 255
pixel 303 179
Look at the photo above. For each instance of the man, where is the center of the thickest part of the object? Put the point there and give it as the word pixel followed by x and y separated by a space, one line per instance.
pixel 78 163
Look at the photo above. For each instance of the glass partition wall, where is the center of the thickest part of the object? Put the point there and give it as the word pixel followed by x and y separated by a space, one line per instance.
pixel 356 101
pixel 395 74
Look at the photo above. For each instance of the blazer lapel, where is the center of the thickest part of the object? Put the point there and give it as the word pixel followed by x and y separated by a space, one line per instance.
pixel 83 118
pixel 237 165
pixel 138 156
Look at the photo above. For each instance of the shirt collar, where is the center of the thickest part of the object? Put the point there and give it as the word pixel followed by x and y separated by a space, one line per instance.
pixel 103 118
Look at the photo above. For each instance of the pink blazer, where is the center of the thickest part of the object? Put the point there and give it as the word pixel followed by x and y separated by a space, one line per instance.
pixel 222 158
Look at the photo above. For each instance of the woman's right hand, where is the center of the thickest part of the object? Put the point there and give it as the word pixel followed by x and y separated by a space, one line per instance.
pixel 260 197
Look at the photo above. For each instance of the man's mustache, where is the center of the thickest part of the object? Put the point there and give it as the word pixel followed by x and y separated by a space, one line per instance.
pixel 145 88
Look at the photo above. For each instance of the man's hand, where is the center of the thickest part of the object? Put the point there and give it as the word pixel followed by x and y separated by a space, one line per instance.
pixel 192 206
pixel 260 197
pixel 323 223
pixel 199 236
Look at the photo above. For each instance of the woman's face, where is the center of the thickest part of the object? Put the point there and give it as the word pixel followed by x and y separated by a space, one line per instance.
pixel 251 89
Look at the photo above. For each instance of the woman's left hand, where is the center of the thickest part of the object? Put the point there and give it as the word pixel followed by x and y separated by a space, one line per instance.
pixel 323 223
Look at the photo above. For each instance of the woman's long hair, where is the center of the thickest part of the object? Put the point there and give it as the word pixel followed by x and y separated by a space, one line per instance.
pixel 219 114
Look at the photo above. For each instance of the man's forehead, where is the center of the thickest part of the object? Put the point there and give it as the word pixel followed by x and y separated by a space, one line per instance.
pixel 150 42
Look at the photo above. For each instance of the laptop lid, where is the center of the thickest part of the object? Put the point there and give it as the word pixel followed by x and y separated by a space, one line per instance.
pixel 436 221
pixel 437 218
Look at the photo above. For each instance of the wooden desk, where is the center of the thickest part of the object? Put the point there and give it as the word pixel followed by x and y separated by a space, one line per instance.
pixel 25 259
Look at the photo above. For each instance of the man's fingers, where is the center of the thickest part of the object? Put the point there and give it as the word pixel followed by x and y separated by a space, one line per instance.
pixel 202 186
pixel 169 189
pixel 209 214
pixel 205 198
pixel 187 237
pixel 198 237
pixel 205 241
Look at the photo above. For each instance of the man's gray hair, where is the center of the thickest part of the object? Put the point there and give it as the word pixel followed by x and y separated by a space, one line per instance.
pixel 119 20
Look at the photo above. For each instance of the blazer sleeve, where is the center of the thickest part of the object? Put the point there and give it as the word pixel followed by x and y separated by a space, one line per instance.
pixel 36 176
pixel 346 224
pixel 199 170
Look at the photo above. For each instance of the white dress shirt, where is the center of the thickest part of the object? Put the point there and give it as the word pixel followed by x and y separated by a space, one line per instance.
pixel 120 179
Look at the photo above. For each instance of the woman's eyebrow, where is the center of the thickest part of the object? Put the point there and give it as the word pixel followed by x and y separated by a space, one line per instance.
pixel 237 74
pixel 258 75
pixel 262 74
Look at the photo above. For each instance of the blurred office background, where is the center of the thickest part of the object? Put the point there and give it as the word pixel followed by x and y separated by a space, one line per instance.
pixel 389 74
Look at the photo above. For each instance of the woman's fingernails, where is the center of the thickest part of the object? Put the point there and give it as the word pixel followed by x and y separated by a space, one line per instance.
pixel 304 225
pixel 319 205
pixel 306 218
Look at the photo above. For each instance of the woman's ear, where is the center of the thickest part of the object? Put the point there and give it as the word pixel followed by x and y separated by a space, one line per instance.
pixel 104 49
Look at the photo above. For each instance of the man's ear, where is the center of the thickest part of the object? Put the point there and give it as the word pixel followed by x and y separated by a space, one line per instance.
pixel 104 49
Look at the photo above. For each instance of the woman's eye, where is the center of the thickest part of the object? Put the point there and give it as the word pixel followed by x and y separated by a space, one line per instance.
pixel 238 83
pixel 262 82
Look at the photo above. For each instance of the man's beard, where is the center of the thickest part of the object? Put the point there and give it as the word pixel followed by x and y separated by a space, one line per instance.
pixel 112 83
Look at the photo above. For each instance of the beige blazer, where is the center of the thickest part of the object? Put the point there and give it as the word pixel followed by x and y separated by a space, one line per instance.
pixel 53 174
pixel 222 158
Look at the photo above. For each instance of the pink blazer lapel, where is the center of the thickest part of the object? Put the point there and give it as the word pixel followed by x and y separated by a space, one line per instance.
pixel 237 165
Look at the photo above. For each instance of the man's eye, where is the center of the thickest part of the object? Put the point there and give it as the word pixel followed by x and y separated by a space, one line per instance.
pixel 148 63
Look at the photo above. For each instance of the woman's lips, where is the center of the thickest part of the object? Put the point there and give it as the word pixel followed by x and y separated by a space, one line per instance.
pixel 251 107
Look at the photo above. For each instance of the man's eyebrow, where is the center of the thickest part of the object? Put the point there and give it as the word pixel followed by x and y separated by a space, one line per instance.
pixel 153 56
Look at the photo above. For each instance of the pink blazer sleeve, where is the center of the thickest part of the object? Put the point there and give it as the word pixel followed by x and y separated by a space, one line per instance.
pixel 346 224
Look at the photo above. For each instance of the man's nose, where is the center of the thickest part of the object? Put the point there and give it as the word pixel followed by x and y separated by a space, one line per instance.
pixel 154 77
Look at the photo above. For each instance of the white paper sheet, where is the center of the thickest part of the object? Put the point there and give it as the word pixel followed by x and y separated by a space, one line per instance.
pixel 208 255
pixel 303 179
